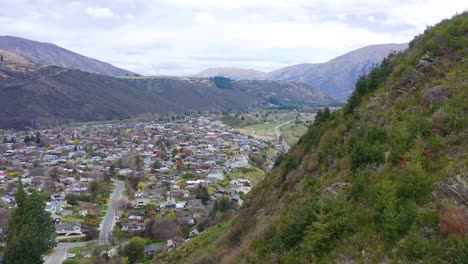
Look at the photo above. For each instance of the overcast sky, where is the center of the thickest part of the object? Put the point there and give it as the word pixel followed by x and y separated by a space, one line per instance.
pixel 181 37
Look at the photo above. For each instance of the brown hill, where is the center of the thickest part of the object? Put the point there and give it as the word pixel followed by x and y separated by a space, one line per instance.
pixel 45 54
pixel 32 95
pixel 335 78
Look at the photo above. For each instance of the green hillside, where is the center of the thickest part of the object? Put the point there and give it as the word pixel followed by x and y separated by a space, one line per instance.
pixel 383 180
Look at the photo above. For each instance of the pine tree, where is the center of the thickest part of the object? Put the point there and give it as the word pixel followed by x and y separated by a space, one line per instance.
pixel 31 231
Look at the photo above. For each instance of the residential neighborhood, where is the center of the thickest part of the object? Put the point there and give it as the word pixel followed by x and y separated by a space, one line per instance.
pixel 177 176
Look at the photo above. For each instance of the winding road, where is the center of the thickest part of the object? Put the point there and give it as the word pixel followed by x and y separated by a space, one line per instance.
pixel 280 139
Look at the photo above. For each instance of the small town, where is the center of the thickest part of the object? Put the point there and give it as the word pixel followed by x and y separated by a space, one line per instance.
pixel 106 183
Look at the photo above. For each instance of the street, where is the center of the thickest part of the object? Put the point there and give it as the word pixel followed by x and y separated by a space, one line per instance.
pixel 60 252
pixel 107 224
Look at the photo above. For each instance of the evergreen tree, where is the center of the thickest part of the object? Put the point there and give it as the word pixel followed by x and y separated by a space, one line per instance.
pixel 31 231
pixel 202 194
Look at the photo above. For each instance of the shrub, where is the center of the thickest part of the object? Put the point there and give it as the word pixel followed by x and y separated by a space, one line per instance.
pixel 294 223
pixel 365 147
pixel 333 222
pixel 454 221
pixel 414 183
pixel 385 209
pixel 414 246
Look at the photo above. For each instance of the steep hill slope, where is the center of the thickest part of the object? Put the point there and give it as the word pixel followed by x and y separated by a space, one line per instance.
pixel 49 54
pixel 382 180
pixel 335 78
pixel 338 76
pixel 32 95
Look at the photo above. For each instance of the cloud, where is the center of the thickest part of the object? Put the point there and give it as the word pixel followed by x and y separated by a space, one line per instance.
pixel 100 12
pixel 182 37
pixel 204 18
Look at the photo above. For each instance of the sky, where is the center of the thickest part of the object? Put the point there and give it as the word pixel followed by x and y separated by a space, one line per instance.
pixel 183 37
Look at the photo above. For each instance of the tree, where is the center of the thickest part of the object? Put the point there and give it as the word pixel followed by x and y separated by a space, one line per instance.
pixel 94 188
pixel 31 231
pixel 138 163
pixel 157 165
pixel 161 229
pixel 202 194
pixel 134 250
pixel 141 186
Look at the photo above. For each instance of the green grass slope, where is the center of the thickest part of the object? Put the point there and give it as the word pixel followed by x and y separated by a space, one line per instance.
pixel 383 180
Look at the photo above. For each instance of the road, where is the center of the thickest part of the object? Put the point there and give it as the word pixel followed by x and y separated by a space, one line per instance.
pixel 280 139
pixel 60 252
pixel 107 224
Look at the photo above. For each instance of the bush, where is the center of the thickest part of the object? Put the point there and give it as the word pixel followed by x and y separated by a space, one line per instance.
pixel 414 183
pixel 385 209
pixel 414 246
pixel 454 221
pixel 365 147
pixel 294 223
pixel 333 222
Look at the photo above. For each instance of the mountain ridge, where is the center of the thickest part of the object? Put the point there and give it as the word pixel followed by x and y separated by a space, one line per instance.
pixel 335 77
pixel 49 54
pixel 33 95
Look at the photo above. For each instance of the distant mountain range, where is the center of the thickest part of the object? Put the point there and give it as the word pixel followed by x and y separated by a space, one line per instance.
pixel 50 54
pixel 34 95
pixel 336 77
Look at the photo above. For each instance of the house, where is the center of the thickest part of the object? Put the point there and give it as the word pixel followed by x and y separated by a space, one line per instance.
pixel 68 229
pixel 195 204
pixel 150 250
pixel 3 176
pixel 175 242
pixel 8 198
pixel 133 226
pixel 194 233
pixel 141 202
pixel 55 206
pixel 136 218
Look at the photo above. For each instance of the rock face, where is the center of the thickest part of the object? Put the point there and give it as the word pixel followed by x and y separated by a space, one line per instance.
pixel 433 96
pixel 49 54
pixel 457 189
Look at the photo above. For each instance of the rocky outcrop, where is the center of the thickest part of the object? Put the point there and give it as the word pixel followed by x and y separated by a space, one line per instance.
pixel 457 189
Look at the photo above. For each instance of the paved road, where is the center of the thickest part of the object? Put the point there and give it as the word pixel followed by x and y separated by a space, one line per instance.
pixel 280 139
pixel 107 224
pixel 60 252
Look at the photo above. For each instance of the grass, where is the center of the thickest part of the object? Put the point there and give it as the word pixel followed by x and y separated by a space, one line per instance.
pixel 255 175
pixel 201 245
pixel 263 131
pixel 295 130
pixel 71 219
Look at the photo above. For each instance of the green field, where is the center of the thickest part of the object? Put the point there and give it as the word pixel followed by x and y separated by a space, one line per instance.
pixel 254 175
pixel 294 130
pixel 263 131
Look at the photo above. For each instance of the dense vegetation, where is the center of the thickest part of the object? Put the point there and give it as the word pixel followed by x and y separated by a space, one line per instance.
pixel 222 82
pixel 373 182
